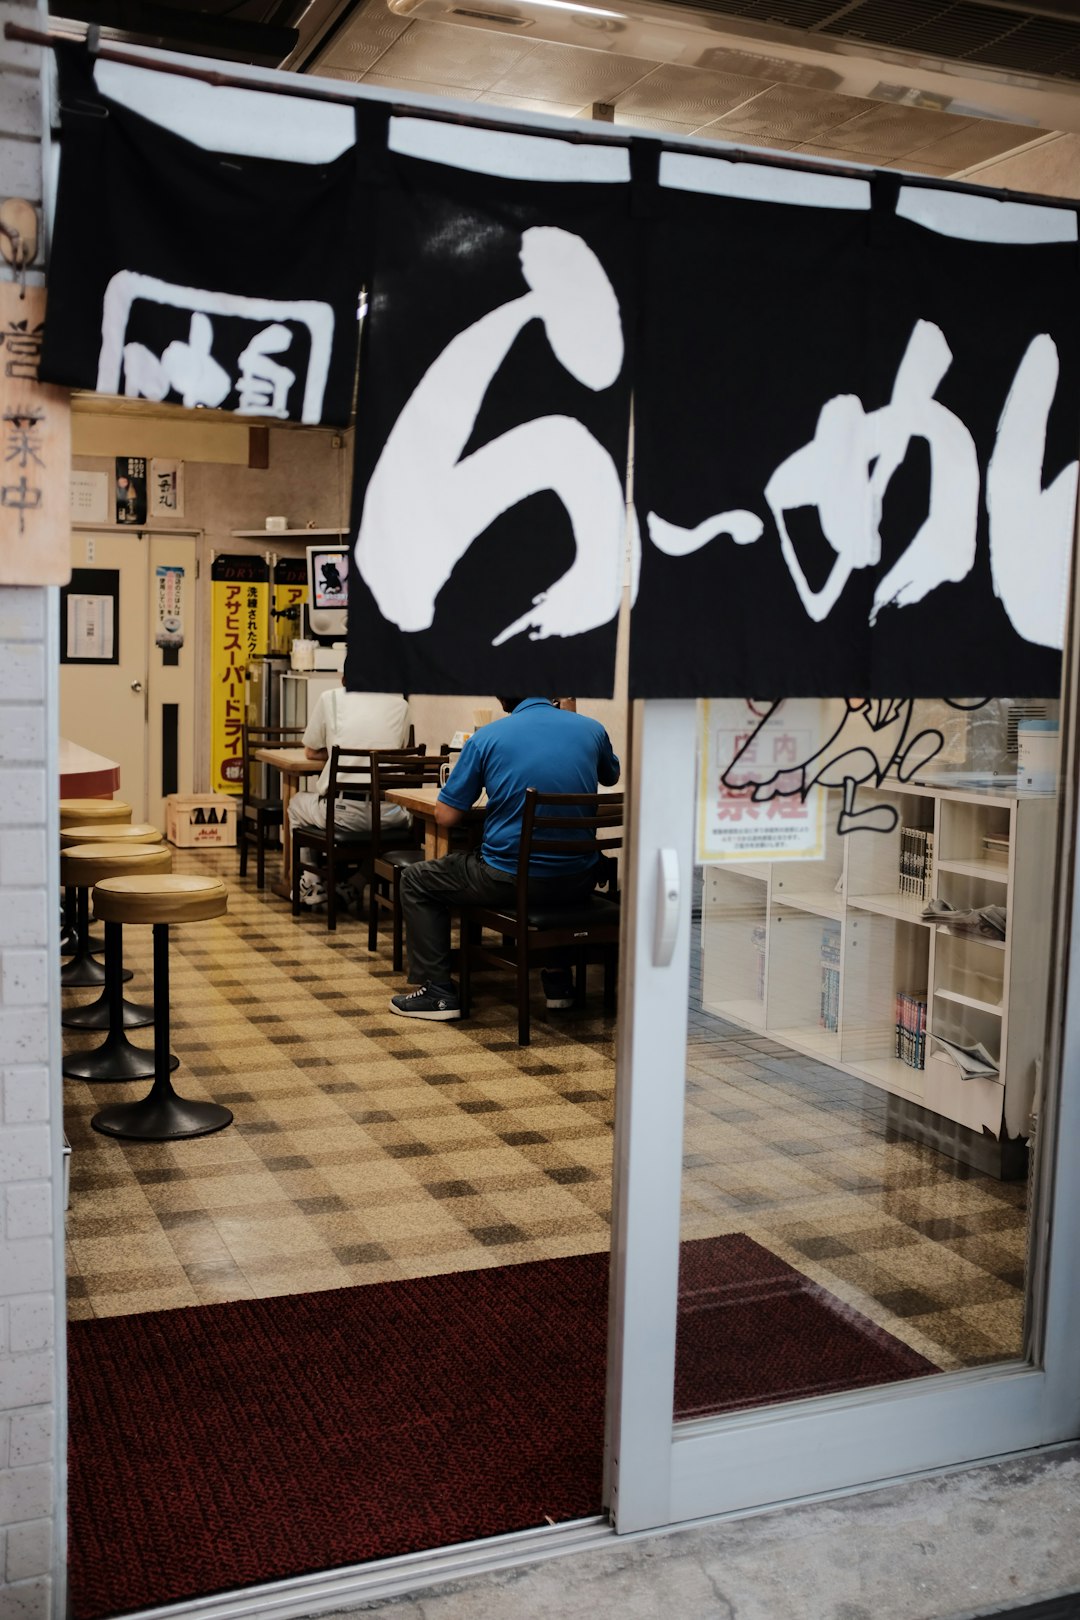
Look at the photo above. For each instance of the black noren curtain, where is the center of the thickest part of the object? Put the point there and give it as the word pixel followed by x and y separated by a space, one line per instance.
pixel 857 420
pixel 494 404
pixel 196 277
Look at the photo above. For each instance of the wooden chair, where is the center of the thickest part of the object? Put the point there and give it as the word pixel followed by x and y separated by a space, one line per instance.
pixel 388 863
pixel 340 851
pixel 257 814
pixel 531 930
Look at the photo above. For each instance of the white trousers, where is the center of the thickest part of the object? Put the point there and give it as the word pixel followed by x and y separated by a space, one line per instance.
pixel 350 815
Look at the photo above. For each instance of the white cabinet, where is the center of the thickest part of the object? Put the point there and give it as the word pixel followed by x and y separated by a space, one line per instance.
pixel 817 953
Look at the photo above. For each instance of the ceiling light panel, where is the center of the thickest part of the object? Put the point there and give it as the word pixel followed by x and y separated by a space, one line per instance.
pixel 421 87
pixel 687 94
pixel 470 58
pixel 787 112
pixel 566 73
pixel 913 166
pixel 979 140
pixel 892 132
pixel 553 109
pixel 664 126
pixel 370 31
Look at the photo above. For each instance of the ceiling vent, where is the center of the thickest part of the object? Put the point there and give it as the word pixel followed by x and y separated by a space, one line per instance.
pixel 994 36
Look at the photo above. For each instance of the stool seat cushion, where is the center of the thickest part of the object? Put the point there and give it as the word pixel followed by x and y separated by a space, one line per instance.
pixel 176 897
pixel 86 864
pixel 136 832
pixel 73 812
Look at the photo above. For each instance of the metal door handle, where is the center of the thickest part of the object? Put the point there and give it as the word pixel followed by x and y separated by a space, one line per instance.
pixel 136 686
pixel 668 905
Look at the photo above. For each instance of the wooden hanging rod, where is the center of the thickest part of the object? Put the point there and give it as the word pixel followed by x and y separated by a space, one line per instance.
pixel 604 133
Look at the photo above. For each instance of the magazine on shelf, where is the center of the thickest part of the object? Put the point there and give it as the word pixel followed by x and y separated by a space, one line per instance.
pixel 974 1061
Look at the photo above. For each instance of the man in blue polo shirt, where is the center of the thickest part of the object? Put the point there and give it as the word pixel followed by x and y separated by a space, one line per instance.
pixel 536 746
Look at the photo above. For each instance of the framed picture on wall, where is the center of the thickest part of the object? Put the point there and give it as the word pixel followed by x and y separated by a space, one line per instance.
pixel 90 617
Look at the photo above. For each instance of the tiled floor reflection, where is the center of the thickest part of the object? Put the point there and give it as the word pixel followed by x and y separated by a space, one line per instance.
pixel 369 1148
pixel 365 1148
pixel 797 1155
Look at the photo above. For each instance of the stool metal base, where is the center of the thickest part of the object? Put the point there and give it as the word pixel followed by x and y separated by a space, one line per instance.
pixel 115 1059
pixel 95 1015
pixel 162 1118
pixel 84 972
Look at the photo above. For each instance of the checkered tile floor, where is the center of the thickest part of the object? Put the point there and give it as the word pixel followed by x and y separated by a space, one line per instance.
pixel 368 1148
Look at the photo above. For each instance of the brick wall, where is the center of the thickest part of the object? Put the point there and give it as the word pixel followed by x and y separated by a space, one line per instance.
pixel 32 1429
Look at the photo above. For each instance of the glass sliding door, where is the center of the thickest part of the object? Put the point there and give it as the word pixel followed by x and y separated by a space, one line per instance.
pixel 843 1104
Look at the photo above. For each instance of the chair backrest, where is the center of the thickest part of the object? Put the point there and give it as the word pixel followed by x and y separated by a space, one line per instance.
pixel 252 737
pixel 399 768
pixel 352 773
pixel 587 821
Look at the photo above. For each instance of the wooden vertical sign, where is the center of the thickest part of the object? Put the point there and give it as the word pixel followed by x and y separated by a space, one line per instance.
pixel 35 450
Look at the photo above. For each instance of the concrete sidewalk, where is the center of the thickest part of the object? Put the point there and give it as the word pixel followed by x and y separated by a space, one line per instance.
pixel 969 1543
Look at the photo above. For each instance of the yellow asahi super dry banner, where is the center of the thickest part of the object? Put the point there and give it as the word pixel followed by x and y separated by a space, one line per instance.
pixel 290 594
pixel 241 591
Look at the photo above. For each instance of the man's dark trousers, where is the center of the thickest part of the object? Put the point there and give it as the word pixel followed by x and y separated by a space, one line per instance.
pixel 431 890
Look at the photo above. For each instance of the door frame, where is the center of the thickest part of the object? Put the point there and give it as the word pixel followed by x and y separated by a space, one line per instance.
pixel 662 1473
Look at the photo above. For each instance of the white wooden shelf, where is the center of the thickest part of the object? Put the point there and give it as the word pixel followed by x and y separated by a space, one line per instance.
pixel 781 940
pixel 989 871
pixel 819 902
pixel 891 1074
pixel 747 1011
pixel 962 999
pixel 902 907
pixel 819 1043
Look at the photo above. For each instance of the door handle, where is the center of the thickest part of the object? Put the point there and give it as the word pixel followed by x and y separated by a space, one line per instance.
pixel 668 906
pixel 136 686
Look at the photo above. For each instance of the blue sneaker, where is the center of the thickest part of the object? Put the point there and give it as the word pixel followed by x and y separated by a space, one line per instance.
pixel 440 1006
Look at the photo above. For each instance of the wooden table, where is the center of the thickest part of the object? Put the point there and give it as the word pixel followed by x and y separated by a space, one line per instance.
pixel 293 764
pixel 420 802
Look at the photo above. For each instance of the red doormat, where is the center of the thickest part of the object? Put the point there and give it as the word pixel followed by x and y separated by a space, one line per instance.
pixel 224 1445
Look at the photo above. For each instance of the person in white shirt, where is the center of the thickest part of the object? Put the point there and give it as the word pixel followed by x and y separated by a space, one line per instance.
pixel 351 720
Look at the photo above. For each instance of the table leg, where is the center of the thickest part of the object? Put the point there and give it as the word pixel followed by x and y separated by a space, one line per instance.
pixel 283 887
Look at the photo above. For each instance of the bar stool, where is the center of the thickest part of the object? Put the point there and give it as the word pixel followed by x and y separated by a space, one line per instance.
pixel 84 971
pixel 83 866
pixel 72 813
pixel 161 1116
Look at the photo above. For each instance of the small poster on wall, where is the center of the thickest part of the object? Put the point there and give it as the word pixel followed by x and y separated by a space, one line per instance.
pixel 169 607
pixel 166 488
pixel 131 489
pixel 89 495
pixel 757 798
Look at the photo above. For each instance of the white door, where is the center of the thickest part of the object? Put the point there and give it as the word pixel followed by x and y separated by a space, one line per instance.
pixel 137 704
pixel 792 1166
pixel 103 703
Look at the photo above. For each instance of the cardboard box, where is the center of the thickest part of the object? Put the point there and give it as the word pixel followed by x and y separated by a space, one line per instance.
pixel 194 820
